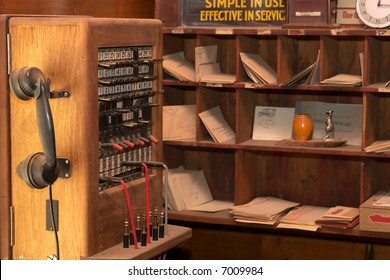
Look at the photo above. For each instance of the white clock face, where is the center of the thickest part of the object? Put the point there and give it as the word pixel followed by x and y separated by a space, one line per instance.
pixel 374 13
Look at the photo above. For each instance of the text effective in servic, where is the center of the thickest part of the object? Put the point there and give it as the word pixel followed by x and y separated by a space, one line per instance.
pixel 242 4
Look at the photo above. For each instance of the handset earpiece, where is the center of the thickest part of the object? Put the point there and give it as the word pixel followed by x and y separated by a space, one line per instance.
pixel 39 169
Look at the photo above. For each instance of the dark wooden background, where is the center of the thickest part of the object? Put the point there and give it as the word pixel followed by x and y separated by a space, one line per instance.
pixel 96 8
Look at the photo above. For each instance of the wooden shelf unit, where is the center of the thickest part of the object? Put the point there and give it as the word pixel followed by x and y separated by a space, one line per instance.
pixel 239 172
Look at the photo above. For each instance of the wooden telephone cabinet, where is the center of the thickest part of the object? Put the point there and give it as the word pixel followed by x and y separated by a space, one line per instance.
pixel 90 97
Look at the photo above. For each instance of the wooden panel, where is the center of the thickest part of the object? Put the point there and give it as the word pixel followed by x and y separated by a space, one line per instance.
pixel 5 178
pixel 99 8
pixel 229 244
pixel 346 47
pixel 176 236
pixel 116 8
pixel 5 188
pixel 66 51
pixel 302 178
pixel 42 7
pixel 64 70
pixel 378 52
pixel 171 16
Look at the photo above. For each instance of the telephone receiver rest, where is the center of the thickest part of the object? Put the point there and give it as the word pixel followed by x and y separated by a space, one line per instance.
pixel 39 169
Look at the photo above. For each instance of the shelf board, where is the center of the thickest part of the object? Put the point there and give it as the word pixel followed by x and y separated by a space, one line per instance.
pixel 270 146
pixel 277 30
pixel 176 236
pixel 224 218
pixel 277 87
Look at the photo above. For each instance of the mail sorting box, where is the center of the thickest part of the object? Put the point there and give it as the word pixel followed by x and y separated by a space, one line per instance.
pixel 105 91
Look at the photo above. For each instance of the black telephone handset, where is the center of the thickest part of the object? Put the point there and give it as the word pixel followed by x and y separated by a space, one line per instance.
pixel 38 170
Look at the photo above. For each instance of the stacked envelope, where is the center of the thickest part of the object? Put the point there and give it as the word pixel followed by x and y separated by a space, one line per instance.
pixel 262 210
pixel 257 69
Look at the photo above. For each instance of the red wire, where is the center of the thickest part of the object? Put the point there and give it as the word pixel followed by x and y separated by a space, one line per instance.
pixel 147 200
pixel 130 213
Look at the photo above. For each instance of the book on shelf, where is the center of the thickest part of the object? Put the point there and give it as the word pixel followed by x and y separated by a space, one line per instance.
pixel 178 67
pixel 303 217
pixel 272 123
pixel 262 210
pixel 340 216
pixel 189 190
pixel 308 76
pixel 179 122
pixel 257 69
pixel 216 125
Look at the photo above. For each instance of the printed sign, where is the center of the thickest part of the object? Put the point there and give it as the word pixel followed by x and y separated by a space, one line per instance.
pixel 233 12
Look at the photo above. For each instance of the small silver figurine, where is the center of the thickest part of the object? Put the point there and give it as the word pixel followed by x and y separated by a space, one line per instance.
pixel 329 127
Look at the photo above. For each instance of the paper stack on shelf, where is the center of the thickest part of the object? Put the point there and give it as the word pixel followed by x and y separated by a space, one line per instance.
pixel 217 126
pixel 344 80
pixel 178 67
pixel 211 73
pixel 188 190
pixel 308 76
pixel 257 69
pixel 379 146
pixel 262 210
pixel 207 68
pixel 340 216
pixel 303 217
pixel 179 122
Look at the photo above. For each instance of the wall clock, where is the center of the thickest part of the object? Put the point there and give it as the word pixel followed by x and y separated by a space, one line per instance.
pixel 374 13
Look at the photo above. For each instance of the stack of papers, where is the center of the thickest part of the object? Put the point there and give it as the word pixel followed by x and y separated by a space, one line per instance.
pixel 211 73
pixel 188 190
pixel 340 216
pixel 308 76
pixel 257 69
pixel 344 80
pixel 178 67
pixel 303 217
pixel 379 146
pixel 262 210
pixel 179 122
pixel 207 69
pixel 217 126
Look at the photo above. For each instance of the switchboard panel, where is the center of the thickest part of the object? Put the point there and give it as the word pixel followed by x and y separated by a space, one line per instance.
pixel 103 81
pixel 126 99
